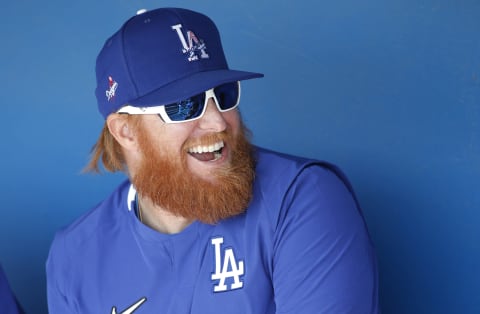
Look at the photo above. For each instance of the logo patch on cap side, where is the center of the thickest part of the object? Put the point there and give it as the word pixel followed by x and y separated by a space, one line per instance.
pixel 110 92
pixel 194 47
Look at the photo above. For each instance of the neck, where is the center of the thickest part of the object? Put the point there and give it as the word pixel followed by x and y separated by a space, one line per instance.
pixel 160 219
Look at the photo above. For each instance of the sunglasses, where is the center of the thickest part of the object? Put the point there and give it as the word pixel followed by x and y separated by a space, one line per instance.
pixel 225 96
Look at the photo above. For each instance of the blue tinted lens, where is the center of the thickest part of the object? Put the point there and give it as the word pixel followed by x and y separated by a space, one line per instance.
pixel 186 109
pixel 227 95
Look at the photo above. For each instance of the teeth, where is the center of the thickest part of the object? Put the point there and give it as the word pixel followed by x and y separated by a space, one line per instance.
pixel 206 149
pixel 217 156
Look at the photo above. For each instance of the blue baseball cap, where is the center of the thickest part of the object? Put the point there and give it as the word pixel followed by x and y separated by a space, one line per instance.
pixel 160 57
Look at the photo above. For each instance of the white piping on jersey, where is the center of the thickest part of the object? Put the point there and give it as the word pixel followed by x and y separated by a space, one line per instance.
pixel 132 193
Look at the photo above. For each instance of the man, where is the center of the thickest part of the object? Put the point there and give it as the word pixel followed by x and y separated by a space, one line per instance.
pixel 8 302
pixel 205 223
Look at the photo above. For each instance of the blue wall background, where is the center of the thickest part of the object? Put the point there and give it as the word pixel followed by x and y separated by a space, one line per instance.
pixel 388 90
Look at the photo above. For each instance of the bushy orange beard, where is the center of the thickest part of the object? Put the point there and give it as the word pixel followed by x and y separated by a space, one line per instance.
pixel 168 183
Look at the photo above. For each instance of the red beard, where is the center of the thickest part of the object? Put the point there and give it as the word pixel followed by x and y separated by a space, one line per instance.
pixel 169 184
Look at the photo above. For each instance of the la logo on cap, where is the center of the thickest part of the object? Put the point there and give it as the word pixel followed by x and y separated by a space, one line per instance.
pixel 195 48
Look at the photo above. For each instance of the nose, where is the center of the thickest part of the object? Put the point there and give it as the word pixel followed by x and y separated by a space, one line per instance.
pixel 212 119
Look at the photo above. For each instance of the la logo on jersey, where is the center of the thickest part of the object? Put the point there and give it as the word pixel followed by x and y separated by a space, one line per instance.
pixel 228 267
pixel 194 47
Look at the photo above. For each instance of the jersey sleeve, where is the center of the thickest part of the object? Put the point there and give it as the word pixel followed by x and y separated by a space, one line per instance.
pixel 8 302
pixel 323 257
pixel 57 277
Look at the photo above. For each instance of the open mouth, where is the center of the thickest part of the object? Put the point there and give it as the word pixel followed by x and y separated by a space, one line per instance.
pixel 207 152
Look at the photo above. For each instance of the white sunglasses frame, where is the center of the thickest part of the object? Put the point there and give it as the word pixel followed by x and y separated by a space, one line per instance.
pixel 160 110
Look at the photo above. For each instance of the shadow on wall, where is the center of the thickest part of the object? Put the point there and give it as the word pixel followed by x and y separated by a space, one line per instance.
pixel 427 242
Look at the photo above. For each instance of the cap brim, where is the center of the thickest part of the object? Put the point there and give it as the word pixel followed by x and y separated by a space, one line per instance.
pixel 191 85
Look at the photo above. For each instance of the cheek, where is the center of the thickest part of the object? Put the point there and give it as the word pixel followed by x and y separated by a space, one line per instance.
pixel 174 141
pixel 169 138
pixel 233 120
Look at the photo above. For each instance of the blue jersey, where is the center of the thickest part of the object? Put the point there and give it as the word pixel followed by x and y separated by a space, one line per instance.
pixel 8 304
pixel 301 247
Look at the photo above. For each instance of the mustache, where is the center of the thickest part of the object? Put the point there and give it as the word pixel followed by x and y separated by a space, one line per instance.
pixel 208 139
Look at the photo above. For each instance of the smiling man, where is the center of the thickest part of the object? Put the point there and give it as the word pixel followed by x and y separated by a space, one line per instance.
pixel 205 222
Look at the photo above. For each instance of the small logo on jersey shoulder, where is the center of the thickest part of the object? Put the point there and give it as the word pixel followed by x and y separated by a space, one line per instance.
pixel 132 308
pixel 228 267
